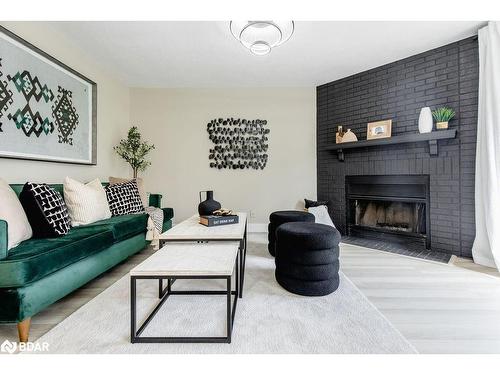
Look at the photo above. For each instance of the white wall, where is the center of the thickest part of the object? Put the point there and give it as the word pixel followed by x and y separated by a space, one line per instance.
pixel 113 113
pixel 175 121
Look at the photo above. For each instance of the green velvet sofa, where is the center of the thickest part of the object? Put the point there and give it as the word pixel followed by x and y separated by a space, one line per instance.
pixel 39 272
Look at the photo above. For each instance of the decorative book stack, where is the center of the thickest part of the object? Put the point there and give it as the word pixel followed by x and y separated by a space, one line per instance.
pixel 216 220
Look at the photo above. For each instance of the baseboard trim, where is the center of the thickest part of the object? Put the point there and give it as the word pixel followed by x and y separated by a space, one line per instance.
pixel 257 228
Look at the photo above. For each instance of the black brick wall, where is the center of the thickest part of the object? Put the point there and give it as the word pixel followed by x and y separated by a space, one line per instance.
pixel 444 76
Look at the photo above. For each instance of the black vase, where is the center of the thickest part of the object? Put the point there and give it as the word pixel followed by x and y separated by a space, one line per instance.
pixel 208 206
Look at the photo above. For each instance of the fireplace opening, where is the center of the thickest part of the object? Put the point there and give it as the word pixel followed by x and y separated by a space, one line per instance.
pixel 390 208
pixel 406 217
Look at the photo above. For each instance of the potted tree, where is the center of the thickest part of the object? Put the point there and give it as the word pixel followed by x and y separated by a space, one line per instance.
pixel 133 150
pixel 442 116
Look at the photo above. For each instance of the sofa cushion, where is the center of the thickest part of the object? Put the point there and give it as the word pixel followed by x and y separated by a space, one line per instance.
pixel 124 226
pixel 37 258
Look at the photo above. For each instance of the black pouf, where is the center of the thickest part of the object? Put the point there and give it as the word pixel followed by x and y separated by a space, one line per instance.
pixel 307 258
pixel 280 217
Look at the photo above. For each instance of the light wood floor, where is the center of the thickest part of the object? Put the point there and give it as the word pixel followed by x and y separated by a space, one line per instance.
pixel 439 308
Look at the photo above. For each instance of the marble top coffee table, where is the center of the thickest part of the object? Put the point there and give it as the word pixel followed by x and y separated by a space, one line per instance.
pixel 190 230
pixel 187 261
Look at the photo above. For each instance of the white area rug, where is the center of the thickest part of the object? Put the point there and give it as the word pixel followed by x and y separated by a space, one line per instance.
pixel 268 319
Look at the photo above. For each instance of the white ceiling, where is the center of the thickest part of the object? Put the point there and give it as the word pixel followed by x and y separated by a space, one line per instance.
pixel 205 54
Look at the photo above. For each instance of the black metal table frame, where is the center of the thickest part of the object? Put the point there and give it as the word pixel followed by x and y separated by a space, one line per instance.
pixel 242 249
pixel 165 293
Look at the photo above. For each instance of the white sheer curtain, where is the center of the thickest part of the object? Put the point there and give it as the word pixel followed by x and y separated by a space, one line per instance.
pixel 486 249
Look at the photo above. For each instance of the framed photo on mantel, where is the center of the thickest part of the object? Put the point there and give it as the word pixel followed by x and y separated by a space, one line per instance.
pixel 379 129
pixel 48 111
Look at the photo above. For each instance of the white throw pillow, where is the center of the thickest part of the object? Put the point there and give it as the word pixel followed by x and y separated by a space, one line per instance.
pixel 321 215
pixel 12 212
pixel 87 203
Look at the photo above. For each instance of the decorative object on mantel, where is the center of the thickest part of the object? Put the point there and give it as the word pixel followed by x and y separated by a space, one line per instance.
pixel 133 150
pixel 209 205
pixel 340 133
pixel 349 136
pixel 425 120
pixel 238 143
pixel 47 109
pixel 442 116
pixel 379 129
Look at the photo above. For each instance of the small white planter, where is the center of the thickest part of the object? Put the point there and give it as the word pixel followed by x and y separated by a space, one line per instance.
pixel 425 120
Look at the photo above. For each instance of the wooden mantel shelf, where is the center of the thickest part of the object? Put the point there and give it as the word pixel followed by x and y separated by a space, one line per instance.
pixel 431 138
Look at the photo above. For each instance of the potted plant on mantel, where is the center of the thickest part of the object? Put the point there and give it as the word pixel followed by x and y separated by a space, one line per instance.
pixel 442 116
pixel 133 150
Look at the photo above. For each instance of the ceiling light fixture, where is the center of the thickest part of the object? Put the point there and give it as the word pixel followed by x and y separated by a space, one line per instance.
pixel 261 36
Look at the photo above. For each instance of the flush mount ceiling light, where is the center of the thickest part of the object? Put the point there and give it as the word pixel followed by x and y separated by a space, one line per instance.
pixel 261 36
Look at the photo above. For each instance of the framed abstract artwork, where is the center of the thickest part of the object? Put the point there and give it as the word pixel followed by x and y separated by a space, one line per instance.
pixel 48 111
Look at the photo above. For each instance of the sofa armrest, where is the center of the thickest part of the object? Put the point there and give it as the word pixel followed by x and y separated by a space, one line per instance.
pixel 4 239
pixel 155 200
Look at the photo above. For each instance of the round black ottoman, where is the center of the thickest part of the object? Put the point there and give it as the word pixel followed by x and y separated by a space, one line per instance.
pixel 280 217
pixel 307 258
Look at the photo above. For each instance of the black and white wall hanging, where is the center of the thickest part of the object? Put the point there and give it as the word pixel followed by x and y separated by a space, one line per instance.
pixel 238 143
pixel 47 110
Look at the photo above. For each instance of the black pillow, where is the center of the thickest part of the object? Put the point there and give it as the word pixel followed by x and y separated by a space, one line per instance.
pixel 45 209
pixel 310 203
pixel 124 198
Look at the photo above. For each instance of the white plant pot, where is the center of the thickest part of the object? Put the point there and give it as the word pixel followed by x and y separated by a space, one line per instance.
pixel 425 120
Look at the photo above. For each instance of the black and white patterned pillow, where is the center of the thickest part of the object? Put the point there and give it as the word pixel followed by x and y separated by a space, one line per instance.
pixel 124 198
pixel 45 209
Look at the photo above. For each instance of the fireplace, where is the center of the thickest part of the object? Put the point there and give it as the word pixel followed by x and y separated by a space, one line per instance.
pixel 392 208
